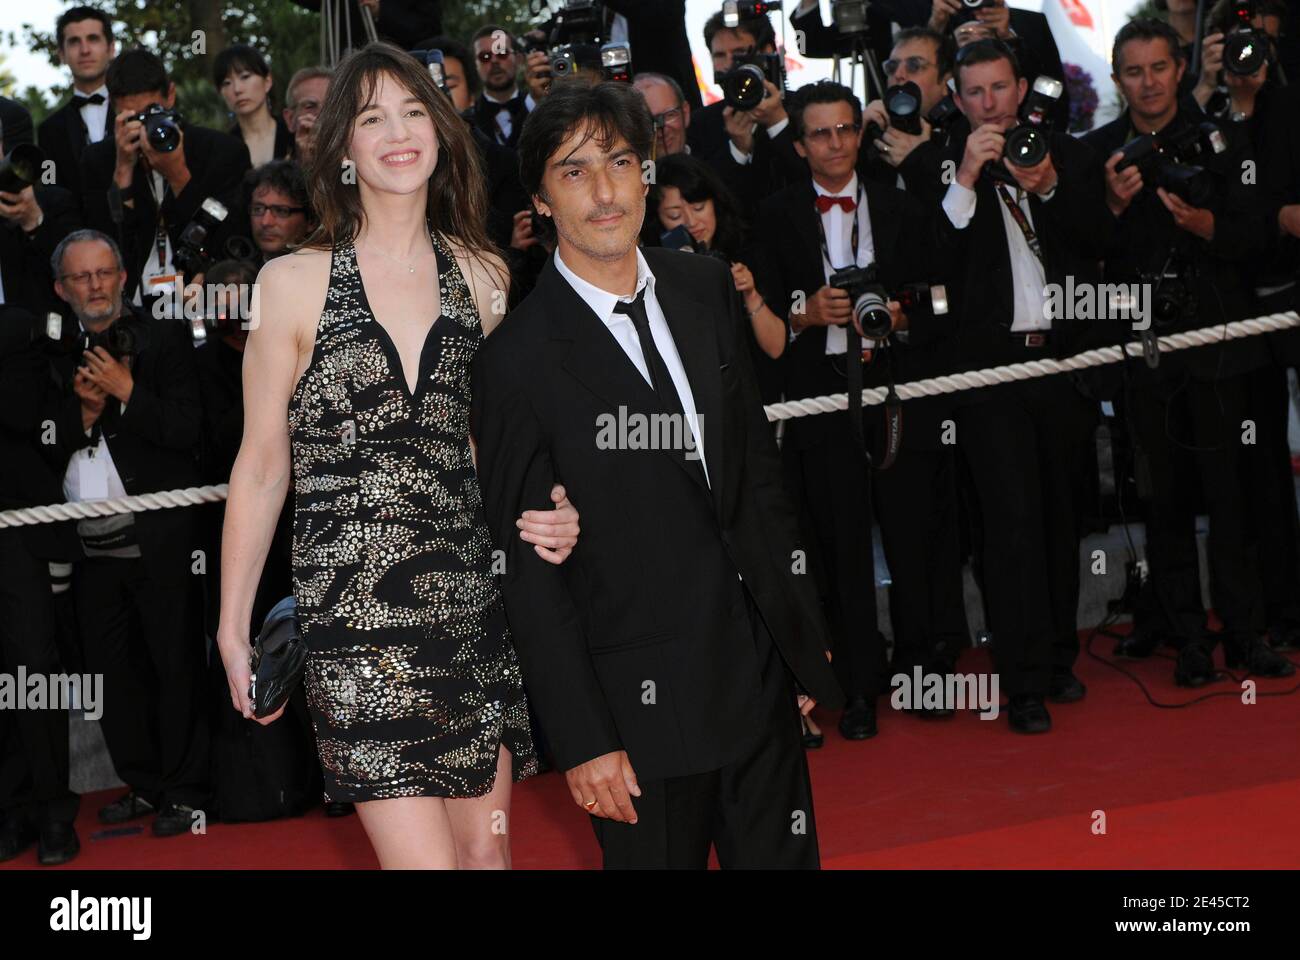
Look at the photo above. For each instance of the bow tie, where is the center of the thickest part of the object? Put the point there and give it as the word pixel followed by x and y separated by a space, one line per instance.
pixel 824 204
pixel 78 101
pixel 513 106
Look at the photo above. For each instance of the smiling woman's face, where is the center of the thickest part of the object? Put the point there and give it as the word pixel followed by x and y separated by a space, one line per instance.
pixel 394 144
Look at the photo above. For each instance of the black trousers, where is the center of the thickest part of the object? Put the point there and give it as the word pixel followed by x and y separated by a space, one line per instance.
pixel 1187 429
pixel 143 637
pixel 830 485
pixel 916 507
pixel 1027 446
pixel 33 743
pixel 757 812
pixel 1273 500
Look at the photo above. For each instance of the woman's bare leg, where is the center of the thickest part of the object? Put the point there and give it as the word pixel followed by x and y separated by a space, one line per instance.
pixel 481 825
pixel 410 833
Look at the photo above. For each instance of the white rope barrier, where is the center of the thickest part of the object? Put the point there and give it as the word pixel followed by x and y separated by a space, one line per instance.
pixel 934 386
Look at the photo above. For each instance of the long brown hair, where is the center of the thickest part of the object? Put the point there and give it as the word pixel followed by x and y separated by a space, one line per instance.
pixel 457 204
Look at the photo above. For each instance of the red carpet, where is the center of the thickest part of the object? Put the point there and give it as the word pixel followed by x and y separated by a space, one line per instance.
pixel 1216 785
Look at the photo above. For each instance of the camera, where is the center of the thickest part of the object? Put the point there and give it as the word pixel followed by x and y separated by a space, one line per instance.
pixel 903 104
pixel 976 4
pixel 923 300
pixel 1172 301
pixel 616 62
pixel 21 167
pixel 433 60
pixel 1245 49
pixel 743 85
pixel 161 127
pixel 849 16
pixel 870 302
pixel 679 238
pixel 733 11
pixel 120 339
pixel 191 256
pixel 1029 142
pixel 943 113
pixel 578 21
pixel 1170 160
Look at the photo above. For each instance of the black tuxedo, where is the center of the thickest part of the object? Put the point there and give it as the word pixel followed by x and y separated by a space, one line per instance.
pixel 773 164
pixel 652 594
pixel 656 31
pixel 483 117
pixel 217 164
pixel 25 259
pixel 64 138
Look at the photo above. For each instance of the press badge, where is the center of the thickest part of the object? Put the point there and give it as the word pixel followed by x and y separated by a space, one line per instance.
pixel 92 474
pixel 163 285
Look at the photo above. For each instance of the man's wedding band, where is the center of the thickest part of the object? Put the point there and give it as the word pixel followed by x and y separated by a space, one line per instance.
pixel 589 804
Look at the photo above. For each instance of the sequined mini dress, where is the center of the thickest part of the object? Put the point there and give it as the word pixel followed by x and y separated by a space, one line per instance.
pixel 411 680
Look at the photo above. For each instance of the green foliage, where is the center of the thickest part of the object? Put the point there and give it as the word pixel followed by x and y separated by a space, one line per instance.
pixel 461 19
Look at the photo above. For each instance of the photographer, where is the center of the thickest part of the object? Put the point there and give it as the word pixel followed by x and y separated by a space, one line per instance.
pixel 1187 413
pixel 1010 231
pixel 656 31
pixel 127 420
pixel 143 187
pixel 669 110
pixel 302 102
pixel 824 40
pixel 500 109
pixel 913 161
pixel 1230 92
pixel 805 235
pixel 279 208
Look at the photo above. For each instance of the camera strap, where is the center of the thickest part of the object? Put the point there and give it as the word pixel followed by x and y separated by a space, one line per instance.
pixel 1022 221
pixel 893 420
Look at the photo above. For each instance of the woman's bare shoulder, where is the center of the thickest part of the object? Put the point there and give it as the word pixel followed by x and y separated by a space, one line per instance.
pixel 292 287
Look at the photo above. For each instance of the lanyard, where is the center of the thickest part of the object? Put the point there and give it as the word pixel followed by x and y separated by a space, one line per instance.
pixel 853 236
pixel 1022 222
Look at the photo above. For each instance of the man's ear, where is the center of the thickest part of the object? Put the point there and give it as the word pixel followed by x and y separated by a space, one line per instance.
pixel 540 205
pixel 1023 87
pixel 170 100
pixel 1182 68
pixel 686 114
pixel 800 149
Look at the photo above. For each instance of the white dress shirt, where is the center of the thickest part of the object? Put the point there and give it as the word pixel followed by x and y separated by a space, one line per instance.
pixel 837 226
pixel 620 326
pixel 95 115
pixel 506 123
pixel 1027 277
pixel 91 473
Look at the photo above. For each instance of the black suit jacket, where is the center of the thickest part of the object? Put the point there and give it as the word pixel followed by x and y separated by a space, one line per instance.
pixel 217 163
pixel 482 116
pixel 787 258
pixel 17 123
pixel 773 165
pixel 62 135
pixel 656 31
pixel 154 442
pixel 26 480
pixel 25 260
pixel 651 593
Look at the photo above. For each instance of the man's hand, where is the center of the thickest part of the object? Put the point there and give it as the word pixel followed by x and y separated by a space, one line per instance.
pixel 998 17
pixel 553 533
pixel 170 164
pixel 898 145
pixel 806 704
pixel 109 374
pixel 941 11
pixel 21 208
pixel 1288 219
pixel 828 307
pixel 740 128
pixel 521 236
pixel 1195 220
pixel 128 134
pixel 1038 179
pixel 91 396
pixel 1121 185
pixel 982 146
pixel 1211 65
pixel 608 779
pixel 771 109
pixel 537 73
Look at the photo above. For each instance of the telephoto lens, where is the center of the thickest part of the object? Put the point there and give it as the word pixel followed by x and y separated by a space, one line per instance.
pixel 1245 49
pixel 21 167
pixel 1027 144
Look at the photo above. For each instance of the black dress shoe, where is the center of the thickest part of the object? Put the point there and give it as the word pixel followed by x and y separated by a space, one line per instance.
pixel 15 837
pixel 1065 687
pixel 932 713
pixel 1195 666
pixel 1137 645
pixel 1028 714
pixel 859 719
pixel 127 807
pixel 58 844
pixel 1258 658
pixel 339 808
pixel 173 819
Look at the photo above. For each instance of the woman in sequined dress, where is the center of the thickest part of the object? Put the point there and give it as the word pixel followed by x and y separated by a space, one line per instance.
pixel 412 682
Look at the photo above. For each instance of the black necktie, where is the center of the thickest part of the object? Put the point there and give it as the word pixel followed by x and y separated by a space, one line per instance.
pixel 78 101
pixel 661 380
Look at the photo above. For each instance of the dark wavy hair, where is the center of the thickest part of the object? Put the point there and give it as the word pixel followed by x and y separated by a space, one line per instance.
pixel 696 181
pixel 457 204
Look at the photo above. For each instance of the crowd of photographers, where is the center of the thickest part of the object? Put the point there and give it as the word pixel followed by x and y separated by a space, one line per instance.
pixel 949 220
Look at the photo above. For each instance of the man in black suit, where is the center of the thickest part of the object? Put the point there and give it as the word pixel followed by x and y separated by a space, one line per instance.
pixel 656 31
pixel 1012 241
pixel 501 107
pixel 144 196
pixel 86 47
pixel 35 802
pixel 1188 412
pixel 662 658
pixel 830 221
pixel 127 420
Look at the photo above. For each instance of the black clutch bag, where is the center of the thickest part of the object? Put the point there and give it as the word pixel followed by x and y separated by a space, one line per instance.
pixel 278 659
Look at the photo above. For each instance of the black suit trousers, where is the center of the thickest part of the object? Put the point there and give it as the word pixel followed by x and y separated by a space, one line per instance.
pixel 143 637
pixel 756 812
pixel 33 743
pixel 1026 443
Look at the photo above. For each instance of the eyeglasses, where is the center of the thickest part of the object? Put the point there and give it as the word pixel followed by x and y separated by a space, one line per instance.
pixel 912 64
pixel 279 211
pixel 823 134
pixel 103 275
pixel 486 56
pixel 673 117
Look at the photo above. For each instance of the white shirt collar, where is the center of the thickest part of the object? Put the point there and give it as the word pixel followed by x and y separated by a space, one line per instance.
pixel 850 189
pixel 602 301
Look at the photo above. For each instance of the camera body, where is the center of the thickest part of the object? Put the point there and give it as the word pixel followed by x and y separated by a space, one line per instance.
pixel 21 167
pixel 1171 160
pixel 870 301
pixel 1245 49
pixel 923 300
pixel 1172 302
pixel 903 104
pixel 850 16
pixel 976 4
pixel 161 127
pixel 122 339
pixel 191 255
pixel 733 11
pixel 743 85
